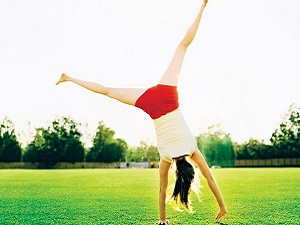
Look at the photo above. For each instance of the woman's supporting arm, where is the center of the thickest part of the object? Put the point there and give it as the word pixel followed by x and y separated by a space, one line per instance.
pixel 163 185
pixel 199 160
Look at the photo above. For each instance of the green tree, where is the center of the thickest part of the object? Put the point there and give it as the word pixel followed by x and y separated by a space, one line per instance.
pixel 253 149
pixel 68 140
pixel 105 147
pixel 143 152
pixel 217 147
pixel 152 153
pixel 59 142
pixel 10 149
pixel 286 138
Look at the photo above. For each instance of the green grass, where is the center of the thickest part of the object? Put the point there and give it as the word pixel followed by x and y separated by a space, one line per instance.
pixel 253 196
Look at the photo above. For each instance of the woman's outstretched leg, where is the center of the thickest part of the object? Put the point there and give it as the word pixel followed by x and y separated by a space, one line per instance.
pixel 98 88
pixel 171 75
pixel 125 95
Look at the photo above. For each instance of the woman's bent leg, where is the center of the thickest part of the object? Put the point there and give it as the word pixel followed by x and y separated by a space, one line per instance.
pixel 125 95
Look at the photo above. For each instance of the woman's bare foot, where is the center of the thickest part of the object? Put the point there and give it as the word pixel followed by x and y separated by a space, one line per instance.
pixel 63 78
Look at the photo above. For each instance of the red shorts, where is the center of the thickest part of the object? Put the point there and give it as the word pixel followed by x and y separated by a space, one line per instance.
pixel 158 100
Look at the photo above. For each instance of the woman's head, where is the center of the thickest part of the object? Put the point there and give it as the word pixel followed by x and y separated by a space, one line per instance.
pixel 184 177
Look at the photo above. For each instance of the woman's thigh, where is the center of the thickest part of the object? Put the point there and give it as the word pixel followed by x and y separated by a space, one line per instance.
pixel 126 95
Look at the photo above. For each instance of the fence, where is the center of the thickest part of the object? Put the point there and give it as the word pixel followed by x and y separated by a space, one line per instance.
pixel 62 165
pixel 290 162
pixel 77 165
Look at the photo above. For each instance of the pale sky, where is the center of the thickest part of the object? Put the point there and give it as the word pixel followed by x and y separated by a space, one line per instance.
pixel 241 71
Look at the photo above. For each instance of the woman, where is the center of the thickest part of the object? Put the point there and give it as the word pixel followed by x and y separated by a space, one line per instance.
pixel 174 139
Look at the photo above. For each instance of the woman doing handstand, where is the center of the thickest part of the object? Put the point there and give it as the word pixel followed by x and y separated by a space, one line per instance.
pixel 174 139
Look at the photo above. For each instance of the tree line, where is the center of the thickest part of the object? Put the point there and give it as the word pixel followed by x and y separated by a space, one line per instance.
pixel 61 142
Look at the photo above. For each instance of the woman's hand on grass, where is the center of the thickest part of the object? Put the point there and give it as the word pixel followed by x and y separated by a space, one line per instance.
pixel 221 214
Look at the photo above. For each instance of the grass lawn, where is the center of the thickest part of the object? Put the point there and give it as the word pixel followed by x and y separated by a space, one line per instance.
pixel 116 196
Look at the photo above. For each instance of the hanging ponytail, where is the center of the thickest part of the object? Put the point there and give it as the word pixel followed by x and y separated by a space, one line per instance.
pixel 184 177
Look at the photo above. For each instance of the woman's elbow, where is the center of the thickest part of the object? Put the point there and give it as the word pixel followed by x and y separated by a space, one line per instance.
pixel 162 191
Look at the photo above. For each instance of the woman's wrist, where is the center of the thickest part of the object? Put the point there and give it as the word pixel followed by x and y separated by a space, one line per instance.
pixel 223 207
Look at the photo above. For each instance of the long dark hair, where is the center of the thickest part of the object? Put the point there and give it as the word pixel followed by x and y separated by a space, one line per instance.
pixel 184 177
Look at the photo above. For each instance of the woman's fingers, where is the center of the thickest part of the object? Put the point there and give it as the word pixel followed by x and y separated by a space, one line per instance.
pixel 220 216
